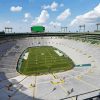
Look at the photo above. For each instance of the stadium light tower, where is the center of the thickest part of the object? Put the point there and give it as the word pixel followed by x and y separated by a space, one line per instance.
pixel 82 27
pixel 8 29
pixel 98 24
pixel 64 29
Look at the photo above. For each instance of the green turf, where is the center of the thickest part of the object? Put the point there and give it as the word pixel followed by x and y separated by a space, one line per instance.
pixel 43 60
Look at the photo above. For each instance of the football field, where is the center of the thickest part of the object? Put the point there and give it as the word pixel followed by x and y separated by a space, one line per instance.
pixel 44 60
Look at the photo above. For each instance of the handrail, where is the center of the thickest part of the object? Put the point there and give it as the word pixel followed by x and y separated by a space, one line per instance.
pixel 80 94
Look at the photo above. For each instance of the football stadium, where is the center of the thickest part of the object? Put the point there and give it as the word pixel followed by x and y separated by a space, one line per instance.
pixel 50 60
pixel 46 67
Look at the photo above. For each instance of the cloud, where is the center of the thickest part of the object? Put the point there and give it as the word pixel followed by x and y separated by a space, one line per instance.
pixel 56 24
pixel 27 15
pixel 8 22
pixel 53 6
pixel 61 5
pixel 25 20
pixel 64 15
pixel 92 16
pixel 16 9
pixel 42 18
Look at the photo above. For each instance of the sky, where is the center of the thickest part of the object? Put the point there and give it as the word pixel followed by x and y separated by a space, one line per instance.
pixel 53 14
